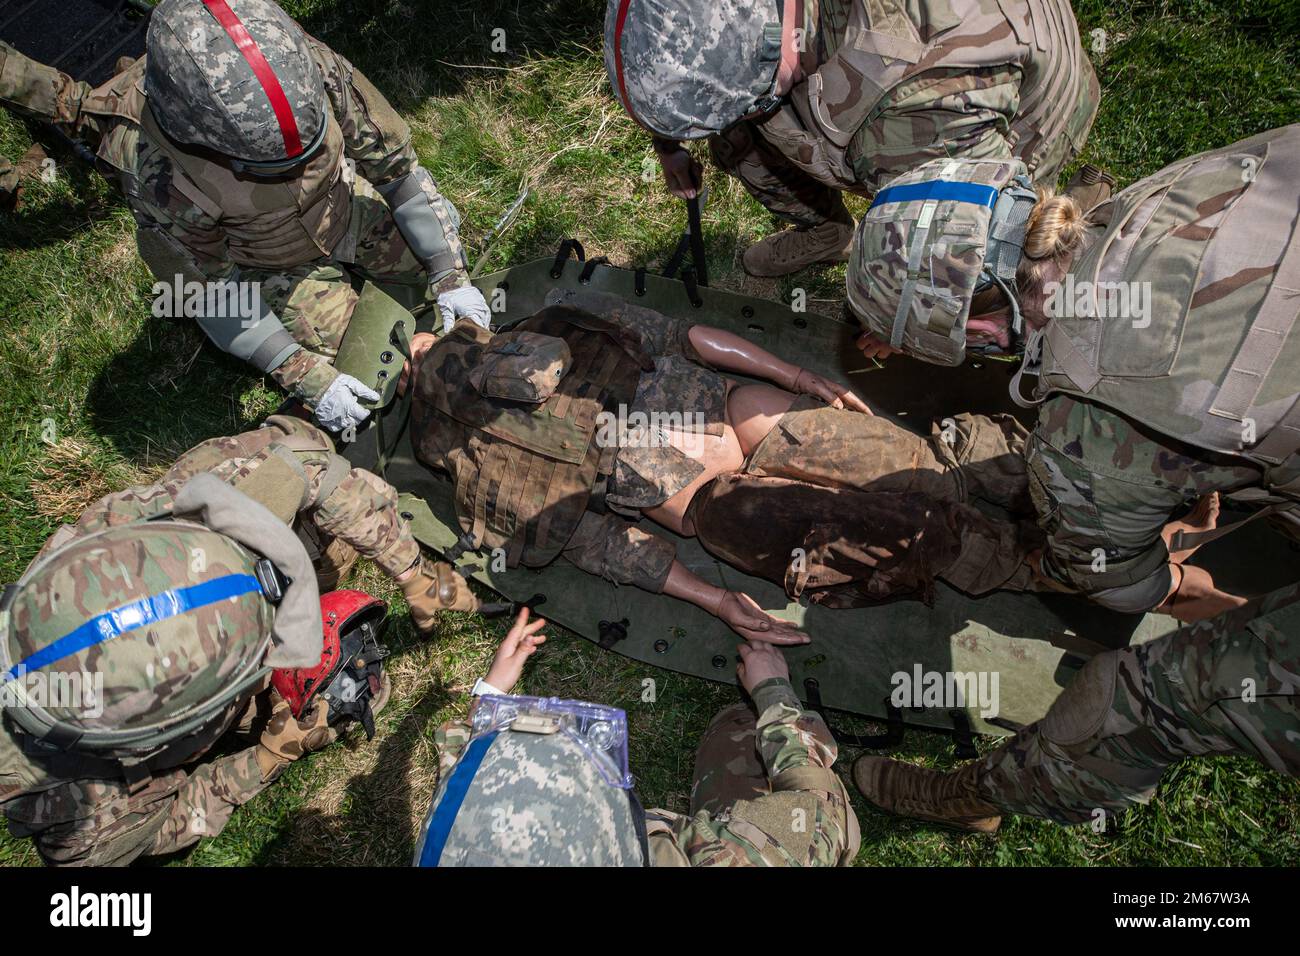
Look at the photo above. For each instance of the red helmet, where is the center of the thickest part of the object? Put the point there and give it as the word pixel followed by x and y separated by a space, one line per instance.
pixel 351 664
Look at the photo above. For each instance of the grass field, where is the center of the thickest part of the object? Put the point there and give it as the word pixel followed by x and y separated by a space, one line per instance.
pixel 95 394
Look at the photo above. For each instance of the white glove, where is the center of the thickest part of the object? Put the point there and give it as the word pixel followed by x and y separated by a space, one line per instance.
pixel 338 408
pixel 465 302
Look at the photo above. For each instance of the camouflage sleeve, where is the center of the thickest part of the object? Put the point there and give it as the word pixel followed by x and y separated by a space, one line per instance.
pixel 378 140
pixel 450 739
pixel 41 91
pixel 374 135
pixel 661 335
pixel 935 115
pixel 351 504
pixel 617 550
pixel 211 793
pixel 805 821
pixel 788 735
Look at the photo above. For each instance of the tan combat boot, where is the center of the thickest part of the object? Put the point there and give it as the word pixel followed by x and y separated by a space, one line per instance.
pixel 949 799
pixel 1090 186
pixel 793 249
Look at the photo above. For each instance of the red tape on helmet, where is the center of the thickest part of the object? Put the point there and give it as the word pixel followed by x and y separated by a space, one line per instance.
pixel 246 45
pixel 618 61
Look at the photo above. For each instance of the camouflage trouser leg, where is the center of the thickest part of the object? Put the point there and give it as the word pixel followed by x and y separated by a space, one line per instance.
pixel 965 456
pixel 203 807
pixel 783 188
pixel 846 548
pixel 1130 714
pixel 836 499
pixel 727 765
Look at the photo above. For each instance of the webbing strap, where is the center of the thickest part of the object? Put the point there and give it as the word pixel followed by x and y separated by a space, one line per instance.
pixel 440 824
pixel 1283 439
pixel 1264 342
pixel 270 83
pixel 137 614
pixel 913 266
pixel 1185 540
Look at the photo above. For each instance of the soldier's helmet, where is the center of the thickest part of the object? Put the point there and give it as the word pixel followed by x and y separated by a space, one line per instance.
pixel 932 239
pixel 134 641
pixel 541 782
pixel 685 69
pixel 235 77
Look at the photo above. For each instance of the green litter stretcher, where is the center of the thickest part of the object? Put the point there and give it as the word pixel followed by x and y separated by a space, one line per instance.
pixel 1033 643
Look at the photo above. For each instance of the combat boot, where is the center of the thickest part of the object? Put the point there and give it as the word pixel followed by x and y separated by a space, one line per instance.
pixel 950 799
pixel 1090 186
pixel 790 250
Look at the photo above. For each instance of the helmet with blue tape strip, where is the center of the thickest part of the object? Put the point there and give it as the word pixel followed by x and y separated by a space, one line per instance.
pixel 932 239
pixel 119 643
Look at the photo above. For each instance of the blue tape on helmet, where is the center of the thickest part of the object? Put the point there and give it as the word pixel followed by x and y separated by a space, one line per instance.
pixel 938 189
pixel 128 617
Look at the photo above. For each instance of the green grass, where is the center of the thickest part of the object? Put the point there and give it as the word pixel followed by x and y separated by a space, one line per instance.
pixel 126 393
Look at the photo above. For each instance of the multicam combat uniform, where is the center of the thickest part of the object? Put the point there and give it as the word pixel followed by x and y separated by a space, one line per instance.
pixel 303 239
pixel 891 85
pixel 79 812
pixel 1142 414
pixel 876 510
pixel 764 793
pixel 1226 686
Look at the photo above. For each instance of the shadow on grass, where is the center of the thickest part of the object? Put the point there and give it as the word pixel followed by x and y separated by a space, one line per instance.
pixel 169 390
pixel 433 48
pixel 377 803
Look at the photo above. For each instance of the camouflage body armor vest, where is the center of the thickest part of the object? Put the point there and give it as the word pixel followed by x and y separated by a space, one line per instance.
pixel 525 472
pixel 1211 244
pixel 268 224
pixel 872 46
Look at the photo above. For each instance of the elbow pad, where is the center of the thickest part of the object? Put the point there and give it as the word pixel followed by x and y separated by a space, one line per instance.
pixel 235 323
pixel 430 235
pixel 243 327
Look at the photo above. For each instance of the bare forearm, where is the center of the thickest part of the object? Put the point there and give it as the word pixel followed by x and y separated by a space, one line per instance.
pixel 686 585
pixel 731 353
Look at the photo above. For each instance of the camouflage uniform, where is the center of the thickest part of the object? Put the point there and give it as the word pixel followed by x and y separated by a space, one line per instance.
pixel 877 510
pixel 1198 395
pixel 79 813
pixel 846 509
pixel 969 78
pixel 764 792
pixel 1226 686
pixel 305 242
pixel 1165 356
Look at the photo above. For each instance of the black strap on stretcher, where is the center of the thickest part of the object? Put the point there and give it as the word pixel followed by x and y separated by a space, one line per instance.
pixel 963 737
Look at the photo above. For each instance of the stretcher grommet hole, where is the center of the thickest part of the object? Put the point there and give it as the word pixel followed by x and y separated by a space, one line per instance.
pixel 800 322
pixel 661 646
pixel 747 311
pixel 406 515
pixel 504 285
pixel 386 358
pixel 382 375
pixel 719 661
